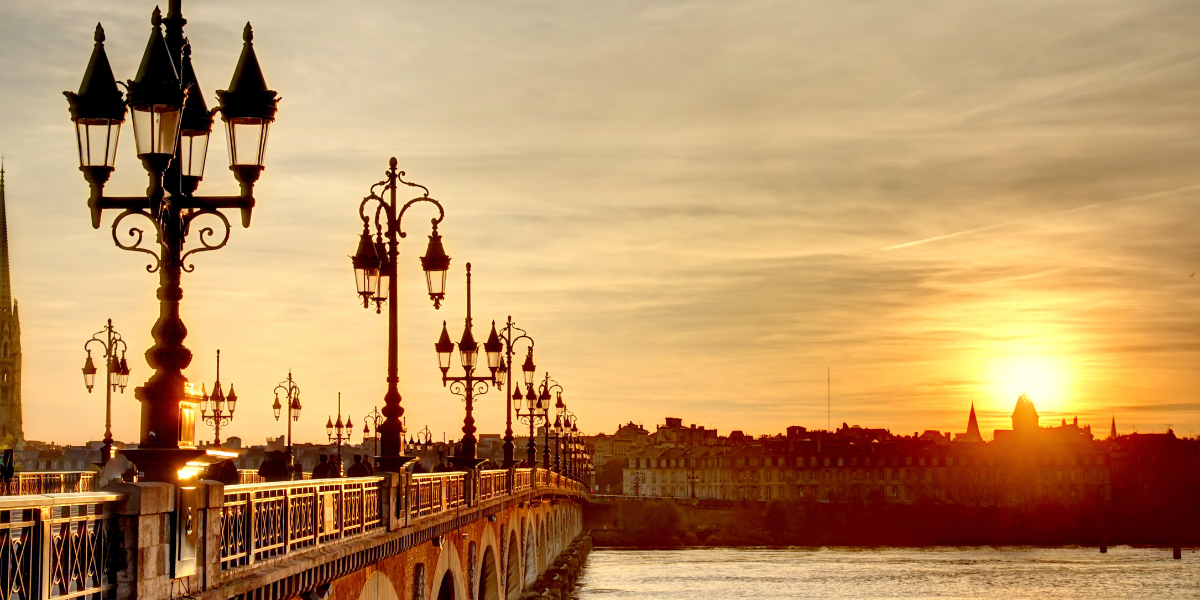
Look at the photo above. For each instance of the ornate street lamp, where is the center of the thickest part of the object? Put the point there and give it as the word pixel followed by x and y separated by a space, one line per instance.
pixel 339 432
pixel 468 385
pixel 372 420
pixel 291 396
pixel 165 103
pixel 116 376
pixel 510 335
pixel 222 406
pixel 549 385
pixel 535 410
pixel 375 278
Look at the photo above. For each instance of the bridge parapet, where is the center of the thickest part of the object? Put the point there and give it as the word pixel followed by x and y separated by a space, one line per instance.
pixel 132 539
pixel 261 521
pixel 58 546
pixel 29 483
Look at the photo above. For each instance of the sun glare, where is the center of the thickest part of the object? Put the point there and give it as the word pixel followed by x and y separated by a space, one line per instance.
pixel 1044 378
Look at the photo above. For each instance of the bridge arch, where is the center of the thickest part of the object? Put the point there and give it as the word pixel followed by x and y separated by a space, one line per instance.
pixel 446 591
pixel 449 569
pixel 489 576
pixel 513 581
pixel 489 547
pixel 378 587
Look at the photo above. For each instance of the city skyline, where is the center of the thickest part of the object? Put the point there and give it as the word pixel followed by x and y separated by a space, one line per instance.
pixel 694 208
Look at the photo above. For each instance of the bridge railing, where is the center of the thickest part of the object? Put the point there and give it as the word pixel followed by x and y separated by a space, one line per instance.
pixel 521 480
pixel 262 521
pixel 27 483
pixel 434 493
pixel 493 483
pixel 58 547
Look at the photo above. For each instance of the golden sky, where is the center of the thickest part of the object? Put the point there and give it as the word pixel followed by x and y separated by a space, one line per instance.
pixel 694 207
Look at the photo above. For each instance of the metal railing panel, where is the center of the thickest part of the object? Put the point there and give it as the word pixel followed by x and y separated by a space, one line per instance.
pixel 262 521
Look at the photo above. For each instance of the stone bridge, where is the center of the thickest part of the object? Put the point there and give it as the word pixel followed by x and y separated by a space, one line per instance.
pixel 465 535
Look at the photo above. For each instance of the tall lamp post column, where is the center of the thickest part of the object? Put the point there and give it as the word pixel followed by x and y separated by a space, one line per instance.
pixel 116 375
pixel 171 127
pixel 510 334
pixel 468 385
pixel 222 406
pixel 375 277
pixel 291 395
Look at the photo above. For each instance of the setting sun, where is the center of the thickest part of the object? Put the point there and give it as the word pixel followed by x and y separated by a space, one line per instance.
pixel 1044 378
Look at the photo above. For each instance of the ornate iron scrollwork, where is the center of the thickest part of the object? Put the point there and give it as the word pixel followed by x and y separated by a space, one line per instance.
pixel 203 237
pixel 138 234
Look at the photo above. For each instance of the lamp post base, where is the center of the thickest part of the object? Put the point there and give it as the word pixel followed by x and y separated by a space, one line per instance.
pixel 395 464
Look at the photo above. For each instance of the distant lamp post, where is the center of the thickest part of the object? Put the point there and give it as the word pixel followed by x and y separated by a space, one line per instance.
pixel 549 385
pixel 291 396
pixel 116 376
pixel 222 406
pixel 375 278
pixel 468 385
pixel 372 421
pixel 510 335
pixel 171 127
pixel 693 479
pixel 339 432
pixel 638 478
pixel 535 409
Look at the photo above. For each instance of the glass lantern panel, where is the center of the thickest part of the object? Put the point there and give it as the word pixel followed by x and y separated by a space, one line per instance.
pixel 193 146
pixel 468 357
pixel 444 359
pixel 247 141
pixel 365 280
pixel 436 282
pixel 97 142
pixel 155 128
pixel 382 285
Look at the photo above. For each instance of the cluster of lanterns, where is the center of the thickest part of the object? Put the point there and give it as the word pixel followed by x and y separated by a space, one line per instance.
pixel 170 117
pixel 117 369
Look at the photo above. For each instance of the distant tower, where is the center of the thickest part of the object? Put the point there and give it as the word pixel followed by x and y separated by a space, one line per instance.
pixel 972 434
pixel 11 432
pixel 1024 417
pixel 973 424
pixel 1112 433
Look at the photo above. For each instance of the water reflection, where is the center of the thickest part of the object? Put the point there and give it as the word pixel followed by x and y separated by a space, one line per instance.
pixel 984 572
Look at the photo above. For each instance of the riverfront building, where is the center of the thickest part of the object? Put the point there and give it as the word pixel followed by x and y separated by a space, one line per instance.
pixel 1026 465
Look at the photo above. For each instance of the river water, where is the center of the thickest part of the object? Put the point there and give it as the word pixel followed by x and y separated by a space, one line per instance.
pixel 995 573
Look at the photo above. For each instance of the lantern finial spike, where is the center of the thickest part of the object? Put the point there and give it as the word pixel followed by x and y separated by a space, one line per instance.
pixel 99 33
pixel 248 33
pixel 156 18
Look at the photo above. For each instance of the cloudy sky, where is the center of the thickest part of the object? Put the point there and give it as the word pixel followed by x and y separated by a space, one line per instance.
pixel 696 208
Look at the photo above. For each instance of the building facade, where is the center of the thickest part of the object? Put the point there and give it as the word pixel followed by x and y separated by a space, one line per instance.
pixel 1038 465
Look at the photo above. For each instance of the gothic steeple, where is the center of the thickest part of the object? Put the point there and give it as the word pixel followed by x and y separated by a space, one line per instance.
pixel 1112 433
pixel 10 341
pixel 5 283
pixel 973 423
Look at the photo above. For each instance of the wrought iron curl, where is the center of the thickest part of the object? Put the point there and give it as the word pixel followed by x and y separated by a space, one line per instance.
pixel 459 387
pixel 204 234
pixel 435 221
pixel 138 235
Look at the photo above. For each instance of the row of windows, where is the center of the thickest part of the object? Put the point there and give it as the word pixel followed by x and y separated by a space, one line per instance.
pixel 893 461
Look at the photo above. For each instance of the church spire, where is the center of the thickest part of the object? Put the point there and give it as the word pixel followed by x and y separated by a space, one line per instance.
pixel 5 282
pixel 1112 433
pixel 973 423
